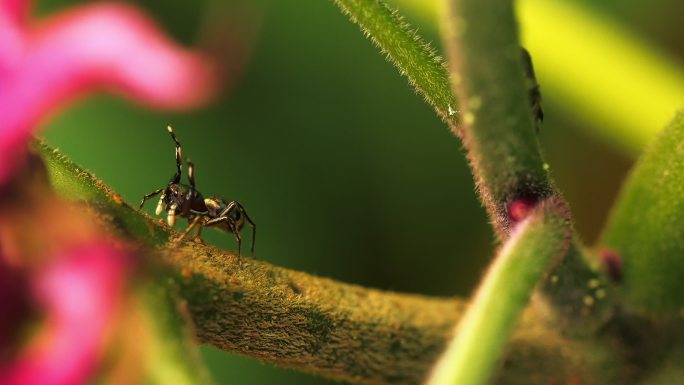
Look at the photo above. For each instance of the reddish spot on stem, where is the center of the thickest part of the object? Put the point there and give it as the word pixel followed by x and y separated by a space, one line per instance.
pixel 520 208
pixel 612 263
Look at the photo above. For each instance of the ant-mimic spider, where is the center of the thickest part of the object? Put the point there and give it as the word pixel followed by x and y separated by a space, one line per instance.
pixel 179 199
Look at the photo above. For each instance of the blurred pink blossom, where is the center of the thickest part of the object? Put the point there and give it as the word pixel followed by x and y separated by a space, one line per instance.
pixel 79 293
pixel 45 64
pixel 76 294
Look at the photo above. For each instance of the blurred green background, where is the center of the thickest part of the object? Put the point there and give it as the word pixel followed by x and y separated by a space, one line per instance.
pixel 346 171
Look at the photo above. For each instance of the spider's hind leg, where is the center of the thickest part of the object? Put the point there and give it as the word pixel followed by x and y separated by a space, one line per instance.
pixel 231 226
pixel 251 224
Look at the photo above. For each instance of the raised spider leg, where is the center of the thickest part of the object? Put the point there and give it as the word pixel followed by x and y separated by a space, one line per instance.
pixel 179 156
pixel 150 195
pixel 191 173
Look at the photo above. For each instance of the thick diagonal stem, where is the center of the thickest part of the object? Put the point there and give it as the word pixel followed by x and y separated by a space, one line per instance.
pixel 313 324
pixel 347 332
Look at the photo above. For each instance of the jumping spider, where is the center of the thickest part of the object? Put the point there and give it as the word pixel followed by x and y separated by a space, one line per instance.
pixel 185 201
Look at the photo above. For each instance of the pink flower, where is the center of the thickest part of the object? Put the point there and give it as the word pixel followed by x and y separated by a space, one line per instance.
pixel 45 64
pixel 73 295
pixel 79 293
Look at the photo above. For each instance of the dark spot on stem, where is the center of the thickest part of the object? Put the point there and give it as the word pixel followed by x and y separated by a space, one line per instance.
pixel 238 295
pixel 320 326
pixel 612 264
pixel 295 289
pixel 395 346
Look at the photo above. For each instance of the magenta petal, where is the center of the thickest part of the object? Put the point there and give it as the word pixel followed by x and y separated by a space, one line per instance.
pixel 110 46
pixel 101 46
pixel 113 46
pixel 13 136
pixel 15 9
pixel 80 293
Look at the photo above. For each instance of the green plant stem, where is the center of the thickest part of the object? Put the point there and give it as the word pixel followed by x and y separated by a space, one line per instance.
pixel 411 54
pixel 488 79
pixel 318 325
pixel 171 350
pixel 350 333
pixel 482 335
pixel 499 132
pixel 568 41
pixel 312 324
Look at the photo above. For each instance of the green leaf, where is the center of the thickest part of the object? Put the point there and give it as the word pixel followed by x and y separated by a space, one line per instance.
pixel 482 335
pixel 646 227
pixel 412 55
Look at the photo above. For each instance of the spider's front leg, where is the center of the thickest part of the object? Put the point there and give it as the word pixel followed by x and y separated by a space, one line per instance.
pixel 150 196
pixel 193 222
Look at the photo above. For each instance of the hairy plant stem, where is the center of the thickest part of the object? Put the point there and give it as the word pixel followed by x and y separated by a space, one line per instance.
pixel 318 325
pixel 480 339
pixel 347 332
pixel 487 76
pixel 409 52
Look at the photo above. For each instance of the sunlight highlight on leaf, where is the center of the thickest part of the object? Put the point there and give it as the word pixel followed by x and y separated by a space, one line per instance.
pixel 618 85
pixel 609 78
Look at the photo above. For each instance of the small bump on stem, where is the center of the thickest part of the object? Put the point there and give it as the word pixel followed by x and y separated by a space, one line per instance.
pixel 611 262
pixel 520 208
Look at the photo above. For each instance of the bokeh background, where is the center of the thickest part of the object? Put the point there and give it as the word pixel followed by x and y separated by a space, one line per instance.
pixel 347 172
